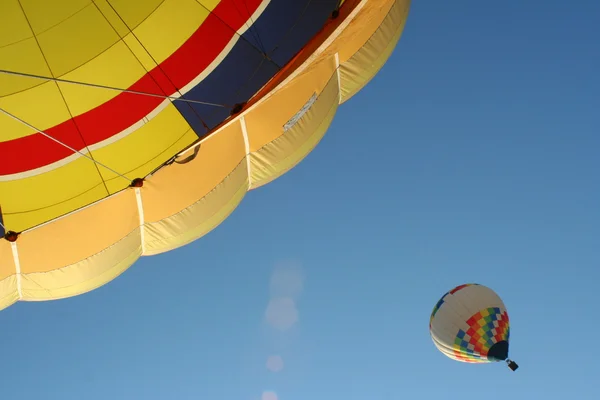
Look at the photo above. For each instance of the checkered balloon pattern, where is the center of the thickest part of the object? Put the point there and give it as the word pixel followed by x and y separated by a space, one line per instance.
pixel 486 328
pixel 467 322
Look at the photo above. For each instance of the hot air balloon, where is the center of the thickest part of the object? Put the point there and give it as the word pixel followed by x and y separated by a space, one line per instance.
pixel 131 128
pixel 470 324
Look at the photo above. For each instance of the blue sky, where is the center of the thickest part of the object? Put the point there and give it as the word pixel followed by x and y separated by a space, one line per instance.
pixel 472 157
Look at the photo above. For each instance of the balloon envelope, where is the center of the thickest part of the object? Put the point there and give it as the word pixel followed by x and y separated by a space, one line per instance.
pixel 470 324
pixel 131 128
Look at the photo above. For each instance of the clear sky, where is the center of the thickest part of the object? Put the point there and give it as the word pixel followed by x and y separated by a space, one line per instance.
pixel 472 157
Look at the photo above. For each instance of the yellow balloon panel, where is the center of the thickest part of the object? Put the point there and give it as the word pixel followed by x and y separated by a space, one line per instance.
pixel 287 105
pixel 9 292
pixel 178 186
pixel 80 235
pixel 13 24
pixel 76 40
pixel 43 15
pixel 25 57
pixel 91 273
pixel 7 265
pixel 40 198
pixel 360 66
pixel 280 143
pixel 200 217
pixel 128 13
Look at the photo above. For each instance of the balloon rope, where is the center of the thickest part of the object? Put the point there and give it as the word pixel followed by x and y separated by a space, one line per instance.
pixel 61 143
pixel 172 98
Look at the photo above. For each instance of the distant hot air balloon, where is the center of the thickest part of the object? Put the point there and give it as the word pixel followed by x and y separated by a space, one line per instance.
pixel 130 128
pixel 470 324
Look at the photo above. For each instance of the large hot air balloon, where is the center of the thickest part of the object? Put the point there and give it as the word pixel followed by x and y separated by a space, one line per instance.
pixel 470 324
pixel 133 127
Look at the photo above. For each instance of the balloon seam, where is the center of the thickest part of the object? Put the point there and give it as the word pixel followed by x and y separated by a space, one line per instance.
pixel 15 253
pixel 140 207
pixel 247 146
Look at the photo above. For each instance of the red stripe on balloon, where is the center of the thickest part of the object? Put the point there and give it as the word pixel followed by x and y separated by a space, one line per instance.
pixel 456 289
pixel 126 109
